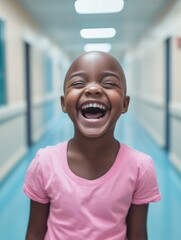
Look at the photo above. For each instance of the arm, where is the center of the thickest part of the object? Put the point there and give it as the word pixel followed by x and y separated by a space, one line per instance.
pixel 137 222
pixel 37 225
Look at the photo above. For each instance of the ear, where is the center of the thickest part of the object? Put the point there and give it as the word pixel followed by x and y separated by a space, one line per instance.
pixel 125 104
pixel 62 100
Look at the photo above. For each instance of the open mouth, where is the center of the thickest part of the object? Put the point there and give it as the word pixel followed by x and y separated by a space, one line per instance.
pixel 93 111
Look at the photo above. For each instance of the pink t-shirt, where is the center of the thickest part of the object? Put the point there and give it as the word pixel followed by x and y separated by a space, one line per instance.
pixel 82 209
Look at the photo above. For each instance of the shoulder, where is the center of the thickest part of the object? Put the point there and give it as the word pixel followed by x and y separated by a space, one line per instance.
pixel 136 159
pixel 132 151
pixel 135 154
pixel 140 168
pixel 49 157
pixel 51 152
pixel 47 160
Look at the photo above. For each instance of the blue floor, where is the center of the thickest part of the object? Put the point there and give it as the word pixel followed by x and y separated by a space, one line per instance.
pixel 164 216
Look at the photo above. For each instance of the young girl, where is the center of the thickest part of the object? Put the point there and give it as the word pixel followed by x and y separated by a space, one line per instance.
pixel 91 187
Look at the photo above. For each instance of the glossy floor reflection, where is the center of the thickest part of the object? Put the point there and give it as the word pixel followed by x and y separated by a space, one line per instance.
pixel 164 216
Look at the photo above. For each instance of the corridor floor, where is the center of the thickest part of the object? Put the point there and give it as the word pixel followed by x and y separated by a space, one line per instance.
pixel 164 216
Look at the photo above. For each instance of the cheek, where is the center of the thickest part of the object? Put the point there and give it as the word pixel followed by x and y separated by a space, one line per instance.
pixel 117 101
pixel 70 97
pixel 116 98
pixel 71 100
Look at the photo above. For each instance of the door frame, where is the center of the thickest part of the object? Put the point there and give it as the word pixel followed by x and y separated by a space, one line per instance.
pixel 167 91
pixel 28 95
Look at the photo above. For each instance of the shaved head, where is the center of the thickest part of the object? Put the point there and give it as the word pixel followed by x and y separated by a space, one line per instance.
pixel 96 59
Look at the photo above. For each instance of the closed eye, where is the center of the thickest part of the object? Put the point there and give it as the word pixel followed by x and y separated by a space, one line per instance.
pixel 109 85
pixel 77 84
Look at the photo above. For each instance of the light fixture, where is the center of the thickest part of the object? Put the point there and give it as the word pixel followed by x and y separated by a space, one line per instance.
pixel 98 6
pixel 98 33
pixel 103 47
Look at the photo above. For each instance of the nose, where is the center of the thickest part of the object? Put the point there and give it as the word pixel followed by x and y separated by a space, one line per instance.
pixel 93 89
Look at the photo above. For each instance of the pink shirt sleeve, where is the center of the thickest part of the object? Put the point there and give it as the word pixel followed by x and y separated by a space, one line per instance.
pixel 34 184
pixel 146 186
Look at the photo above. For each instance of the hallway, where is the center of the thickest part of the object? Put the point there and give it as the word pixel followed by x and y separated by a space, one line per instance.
pixel 164 216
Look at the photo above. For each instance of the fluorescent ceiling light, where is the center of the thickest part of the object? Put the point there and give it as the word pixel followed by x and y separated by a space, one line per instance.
pixel 104 47
pixel 98 6
pixel 98 33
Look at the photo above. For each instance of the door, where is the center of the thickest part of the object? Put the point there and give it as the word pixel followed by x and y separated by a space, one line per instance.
pixel 27 65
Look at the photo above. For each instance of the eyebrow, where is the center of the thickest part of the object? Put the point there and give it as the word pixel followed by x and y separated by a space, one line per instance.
pixel 79 73
pixel 110 73
pixel 105 73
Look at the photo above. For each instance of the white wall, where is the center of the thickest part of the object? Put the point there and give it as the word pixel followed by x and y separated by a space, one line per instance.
pixel 19 27
pixel 12 136
pixel 175 104
pixel 145 68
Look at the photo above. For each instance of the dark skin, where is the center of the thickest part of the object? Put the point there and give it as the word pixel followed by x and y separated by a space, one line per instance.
pixel 37 225
pixel 93 77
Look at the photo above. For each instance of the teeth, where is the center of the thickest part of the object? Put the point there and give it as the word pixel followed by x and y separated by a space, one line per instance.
pixel 94 105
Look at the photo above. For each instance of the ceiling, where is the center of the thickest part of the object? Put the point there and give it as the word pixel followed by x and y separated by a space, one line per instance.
pixel 59 20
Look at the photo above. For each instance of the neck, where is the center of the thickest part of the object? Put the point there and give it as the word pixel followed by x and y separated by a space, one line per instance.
pixel 92 157
pixel 93 146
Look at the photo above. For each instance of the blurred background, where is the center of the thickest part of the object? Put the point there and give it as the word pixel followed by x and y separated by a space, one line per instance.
pixel 38 41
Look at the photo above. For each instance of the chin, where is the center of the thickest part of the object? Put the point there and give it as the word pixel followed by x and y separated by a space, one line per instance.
pixel 95 133
pixel 91 134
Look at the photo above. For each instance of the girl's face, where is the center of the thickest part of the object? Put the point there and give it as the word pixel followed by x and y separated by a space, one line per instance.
pixel 95 94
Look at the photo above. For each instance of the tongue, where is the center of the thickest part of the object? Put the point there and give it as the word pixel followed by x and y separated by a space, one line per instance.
pixel 93 116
